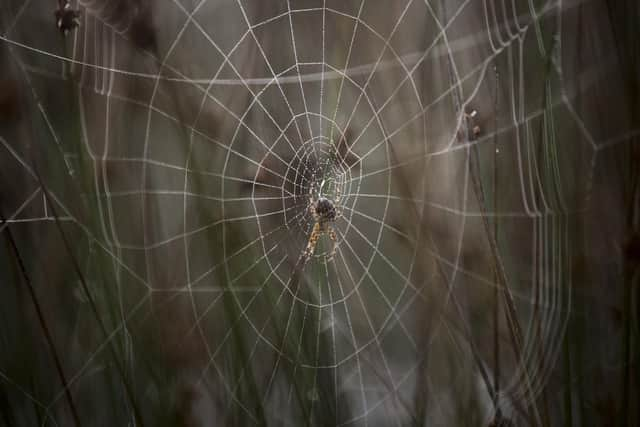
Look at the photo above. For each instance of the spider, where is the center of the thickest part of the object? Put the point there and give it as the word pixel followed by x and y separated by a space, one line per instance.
pixel 67 19
pixel 324 212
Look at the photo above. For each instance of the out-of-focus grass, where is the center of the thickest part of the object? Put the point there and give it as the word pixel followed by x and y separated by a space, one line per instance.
pixel 86 339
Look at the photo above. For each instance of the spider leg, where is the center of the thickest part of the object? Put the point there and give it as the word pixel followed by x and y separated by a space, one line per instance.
pixel 313 240
pixel 313 192
pixel 334 239
pixel 338 193
pixel 338 213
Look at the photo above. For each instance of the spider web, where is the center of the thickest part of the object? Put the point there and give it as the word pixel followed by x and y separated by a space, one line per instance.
pixel 199 150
